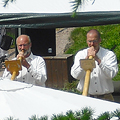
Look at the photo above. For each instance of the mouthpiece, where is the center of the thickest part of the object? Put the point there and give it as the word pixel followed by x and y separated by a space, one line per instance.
pixel 91 57
pixel 20 58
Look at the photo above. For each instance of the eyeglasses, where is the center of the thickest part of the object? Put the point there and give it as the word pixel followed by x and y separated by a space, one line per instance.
pixel 23 45
pixel 94 41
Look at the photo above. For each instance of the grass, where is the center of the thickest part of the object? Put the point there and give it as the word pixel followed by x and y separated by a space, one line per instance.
pixel 110 35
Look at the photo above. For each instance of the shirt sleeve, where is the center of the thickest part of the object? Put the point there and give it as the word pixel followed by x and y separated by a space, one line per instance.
pixel 109 65
pixel 37 69
pixel 76 71
pixel 6 74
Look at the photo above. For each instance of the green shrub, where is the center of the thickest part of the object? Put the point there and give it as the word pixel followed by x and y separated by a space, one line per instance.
pixel 85 113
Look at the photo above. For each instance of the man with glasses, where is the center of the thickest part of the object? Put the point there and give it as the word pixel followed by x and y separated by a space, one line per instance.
pixel 101 85
pixel 33 67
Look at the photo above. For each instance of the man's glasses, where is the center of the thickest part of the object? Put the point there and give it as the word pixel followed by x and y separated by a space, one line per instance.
pixel 23 45
pixel 94 41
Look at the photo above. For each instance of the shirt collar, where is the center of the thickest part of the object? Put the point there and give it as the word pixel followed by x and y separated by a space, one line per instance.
pixel 99 52
pixel 30 57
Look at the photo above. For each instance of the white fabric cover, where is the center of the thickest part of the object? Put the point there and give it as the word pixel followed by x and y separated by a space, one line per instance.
pixel 37 6
pixel 58 6
pixel 21 101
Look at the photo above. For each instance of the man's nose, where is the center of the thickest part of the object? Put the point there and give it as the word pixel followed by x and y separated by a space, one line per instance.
pixel 22 47
pixel 91 43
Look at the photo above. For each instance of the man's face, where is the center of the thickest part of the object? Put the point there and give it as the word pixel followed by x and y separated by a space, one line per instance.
pixel 92 40
pixel 24 44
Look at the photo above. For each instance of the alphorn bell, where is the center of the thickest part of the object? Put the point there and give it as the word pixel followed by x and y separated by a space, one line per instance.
pixel 14 66
pixel 87 80
pixel 15 73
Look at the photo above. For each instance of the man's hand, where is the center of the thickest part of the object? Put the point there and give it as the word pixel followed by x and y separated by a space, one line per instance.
pixel 91 52
pixel 23 60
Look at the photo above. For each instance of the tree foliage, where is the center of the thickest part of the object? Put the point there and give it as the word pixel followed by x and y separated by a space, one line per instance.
pixel 77 4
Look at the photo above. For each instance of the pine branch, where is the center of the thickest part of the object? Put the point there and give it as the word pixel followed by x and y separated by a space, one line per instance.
pixel 75 6
pixel 78 3
pixel 7 1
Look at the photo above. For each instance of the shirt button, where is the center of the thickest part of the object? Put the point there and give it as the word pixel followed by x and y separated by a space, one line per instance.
pixel 94 72
pixel 32 75
pixel 95 82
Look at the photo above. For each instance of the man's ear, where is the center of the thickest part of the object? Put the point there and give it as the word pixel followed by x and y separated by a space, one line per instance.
pixel 30 44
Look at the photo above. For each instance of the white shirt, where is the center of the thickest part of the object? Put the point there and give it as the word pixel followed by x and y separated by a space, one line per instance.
pixel 36 74
pixel 101 76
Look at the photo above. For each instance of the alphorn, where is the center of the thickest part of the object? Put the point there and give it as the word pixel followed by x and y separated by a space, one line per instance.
pixel 15 73
pixel 87 80
pixel 91 65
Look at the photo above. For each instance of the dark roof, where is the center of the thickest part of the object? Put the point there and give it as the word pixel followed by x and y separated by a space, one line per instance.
pixel 54 20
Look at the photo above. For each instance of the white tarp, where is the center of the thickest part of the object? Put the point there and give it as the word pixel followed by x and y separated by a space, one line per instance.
pixel 21 101
pixel 37 6
pixel 100 5
pixel 58 6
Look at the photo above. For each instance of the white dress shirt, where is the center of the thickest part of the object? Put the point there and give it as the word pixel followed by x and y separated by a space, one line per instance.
pixel 36 74
pixel 101 76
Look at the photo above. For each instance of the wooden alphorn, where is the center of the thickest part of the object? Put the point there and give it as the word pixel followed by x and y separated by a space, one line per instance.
pixel 15 73
pixel 87 80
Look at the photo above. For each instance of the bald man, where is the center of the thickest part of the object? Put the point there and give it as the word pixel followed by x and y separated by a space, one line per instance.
pixel 33 67
pixel 101 85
